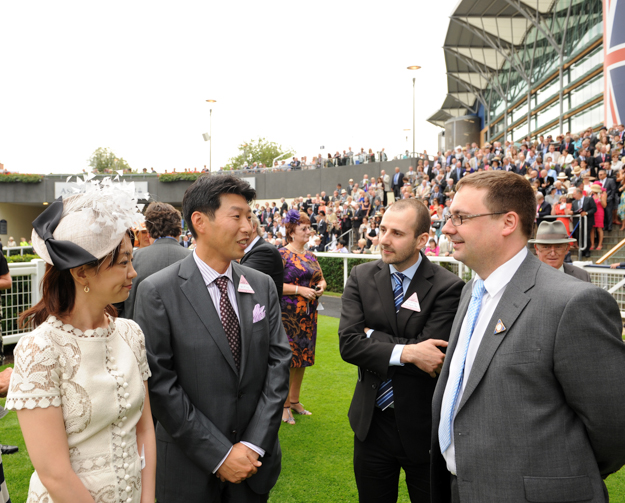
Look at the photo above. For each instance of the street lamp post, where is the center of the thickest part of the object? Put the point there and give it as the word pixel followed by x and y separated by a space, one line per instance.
pixel 414 152
pixel 210 133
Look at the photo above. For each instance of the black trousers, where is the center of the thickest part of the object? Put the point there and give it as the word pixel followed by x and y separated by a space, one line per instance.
pixel 607 218
pixel 378 460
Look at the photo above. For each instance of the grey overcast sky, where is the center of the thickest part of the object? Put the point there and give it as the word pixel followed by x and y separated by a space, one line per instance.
pixel 134 76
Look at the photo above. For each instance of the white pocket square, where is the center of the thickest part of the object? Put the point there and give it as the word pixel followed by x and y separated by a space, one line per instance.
pixel 258 314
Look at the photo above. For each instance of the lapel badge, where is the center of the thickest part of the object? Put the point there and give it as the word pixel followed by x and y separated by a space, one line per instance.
pixel 244 286
pixel 500 327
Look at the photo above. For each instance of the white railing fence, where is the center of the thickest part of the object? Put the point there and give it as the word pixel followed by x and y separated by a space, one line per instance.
pixel 27 277
pixel 24 293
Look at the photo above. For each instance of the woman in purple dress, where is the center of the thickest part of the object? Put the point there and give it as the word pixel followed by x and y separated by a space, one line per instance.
pixel 303 285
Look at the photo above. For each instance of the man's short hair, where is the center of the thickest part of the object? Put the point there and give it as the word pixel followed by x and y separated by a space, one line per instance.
pixel 163 220
pixel 505 191
pixel 204 195
pixel 422 220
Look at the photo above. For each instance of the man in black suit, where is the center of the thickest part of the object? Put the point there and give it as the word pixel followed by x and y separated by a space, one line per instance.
pixel 264 257
pixel 584 206
pixel 397 182
pixel 543 208
pixel 612 196
pixel 396 316
pixel 322 229
pixel 456 173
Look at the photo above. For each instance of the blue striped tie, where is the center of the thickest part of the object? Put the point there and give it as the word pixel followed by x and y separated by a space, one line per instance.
pixel 456 375
pixel 385 393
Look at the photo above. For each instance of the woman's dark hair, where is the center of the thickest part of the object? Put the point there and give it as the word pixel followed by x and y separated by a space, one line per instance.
pixel 204 195
pixel 162 220
pixel 58 291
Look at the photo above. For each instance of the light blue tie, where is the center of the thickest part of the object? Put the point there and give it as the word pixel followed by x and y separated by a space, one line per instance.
pixel 384 398
pixel 456 375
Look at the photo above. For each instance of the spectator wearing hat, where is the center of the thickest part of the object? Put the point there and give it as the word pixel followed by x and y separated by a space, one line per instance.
pixel 552 243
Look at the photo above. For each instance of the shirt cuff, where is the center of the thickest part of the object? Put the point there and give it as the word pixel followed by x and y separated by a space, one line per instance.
pixel 369 332
pixel 255 448
pixel 222 461
pixel 396 356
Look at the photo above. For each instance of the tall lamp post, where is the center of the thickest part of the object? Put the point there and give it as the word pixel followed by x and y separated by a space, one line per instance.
pixel 210 132
pixel 414 152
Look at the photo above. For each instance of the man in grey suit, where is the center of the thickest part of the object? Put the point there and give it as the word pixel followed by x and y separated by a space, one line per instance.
pixel 164 225
pixel 529 405
pixel 552 243
pixel 219 357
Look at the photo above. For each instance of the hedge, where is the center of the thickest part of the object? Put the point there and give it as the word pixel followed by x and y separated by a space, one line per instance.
pixel 333 271
pixel 27 257
pixel 179 177
pixel 18 177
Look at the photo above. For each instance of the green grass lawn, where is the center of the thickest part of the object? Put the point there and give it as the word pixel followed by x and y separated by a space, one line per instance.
pixel 317 451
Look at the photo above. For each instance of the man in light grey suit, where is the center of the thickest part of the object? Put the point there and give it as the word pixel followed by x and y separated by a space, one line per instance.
pixel 529 405
pixel 164 225
pixel 219 357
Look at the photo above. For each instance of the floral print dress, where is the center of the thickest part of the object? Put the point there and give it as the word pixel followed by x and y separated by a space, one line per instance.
pixel 299 316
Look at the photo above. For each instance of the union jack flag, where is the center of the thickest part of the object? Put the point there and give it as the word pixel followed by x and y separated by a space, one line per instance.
pixel 614 61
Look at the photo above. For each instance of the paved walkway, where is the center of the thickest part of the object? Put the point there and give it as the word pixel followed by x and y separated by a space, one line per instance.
pixel 332 306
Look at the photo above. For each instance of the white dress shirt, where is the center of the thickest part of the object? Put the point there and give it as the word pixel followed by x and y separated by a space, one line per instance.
pixel 495 286
pixel 209 275
pixel 249 247
pixel 408 275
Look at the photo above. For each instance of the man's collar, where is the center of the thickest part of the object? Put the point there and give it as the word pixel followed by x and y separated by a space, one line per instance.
pixel 410 272
pixel 251 245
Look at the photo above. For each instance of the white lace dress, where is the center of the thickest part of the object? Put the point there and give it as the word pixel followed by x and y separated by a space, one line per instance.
pixel 96 377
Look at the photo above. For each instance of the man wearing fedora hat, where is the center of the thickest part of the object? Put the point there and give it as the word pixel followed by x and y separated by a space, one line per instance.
pixel 552 243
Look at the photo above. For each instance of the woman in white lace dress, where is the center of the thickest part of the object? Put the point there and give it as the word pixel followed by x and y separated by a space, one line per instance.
pixel 79 382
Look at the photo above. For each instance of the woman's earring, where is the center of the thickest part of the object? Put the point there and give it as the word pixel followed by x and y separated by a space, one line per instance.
pixel 86 289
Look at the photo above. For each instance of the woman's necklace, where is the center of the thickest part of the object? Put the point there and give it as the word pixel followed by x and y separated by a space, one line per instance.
pixel 295 250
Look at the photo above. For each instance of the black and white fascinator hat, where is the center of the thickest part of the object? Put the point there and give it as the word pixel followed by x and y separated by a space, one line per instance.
pixel 88 224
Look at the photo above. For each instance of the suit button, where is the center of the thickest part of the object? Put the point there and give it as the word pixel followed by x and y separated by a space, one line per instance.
pixel 241 395
pixel 234 432
pixel 374 386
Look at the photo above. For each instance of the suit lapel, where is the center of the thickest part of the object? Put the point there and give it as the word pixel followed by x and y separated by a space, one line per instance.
pixel 245 302
pixel 197 294
pixel 510 306
pixel 385 292
pixel 419 285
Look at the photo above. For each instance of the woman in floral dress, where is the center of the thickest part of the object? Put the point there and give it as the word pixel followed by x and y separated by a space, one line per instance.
pixel 303 285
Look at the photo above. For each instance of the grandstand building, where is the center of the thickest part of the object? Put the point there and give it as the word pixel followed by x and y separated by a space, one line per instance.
pixel 519 67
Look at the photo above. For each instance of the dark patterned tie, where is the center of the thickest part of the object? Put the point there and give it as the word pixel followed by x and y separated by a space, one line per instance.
pixel 229 320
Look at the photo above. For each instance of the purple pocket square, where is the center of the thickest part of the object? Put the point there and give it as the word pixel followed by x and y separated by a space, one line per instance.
pixel 258 314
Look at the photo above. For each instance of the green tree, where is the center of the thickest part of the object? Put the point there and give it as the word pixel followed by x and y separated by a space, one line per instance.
pixel 103 160
pixel 260 151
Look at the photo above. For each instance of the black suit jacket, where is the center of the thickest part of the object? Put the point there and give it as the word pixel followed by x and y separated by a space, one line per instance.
pixel 589 207
pixel 368 302
pixel 266 258
pixel 543 211
pixel 611 190
pixel 400 180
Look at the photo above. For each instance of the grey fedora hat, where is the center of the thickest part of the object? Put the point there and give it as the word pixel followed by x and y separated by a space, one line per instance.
pixel 552 233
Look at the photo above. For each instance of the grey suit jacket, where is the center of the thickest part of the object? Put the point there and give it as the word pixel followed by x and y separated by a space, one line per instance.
pixel 576 272
pixel 203 405
pixel 542 415
pixel 162 253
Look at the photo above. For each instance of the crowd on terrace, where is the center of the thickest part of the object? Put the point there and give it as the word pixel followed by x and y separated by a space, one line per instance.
pixel 555 167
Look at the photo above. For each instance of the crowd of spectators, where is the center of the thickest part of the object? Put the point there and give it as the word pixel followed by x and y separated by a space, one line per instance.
pixel 554 167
